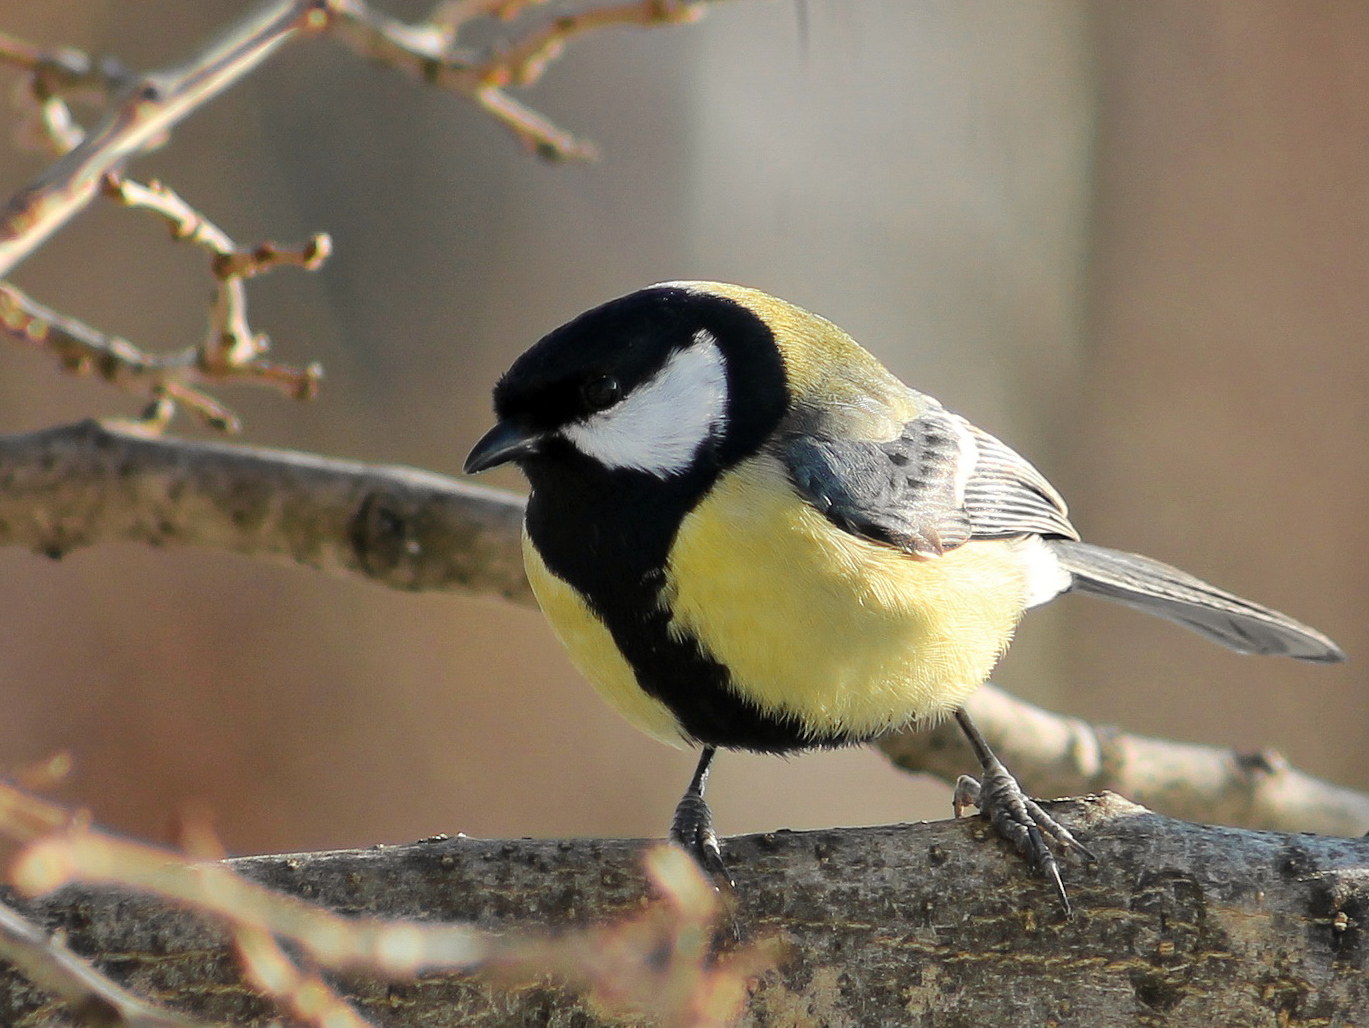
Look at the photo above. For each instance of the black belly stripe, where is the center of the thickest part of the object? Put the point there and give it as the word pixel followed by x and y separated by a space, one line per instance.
pixel 616 565
pixel 608 532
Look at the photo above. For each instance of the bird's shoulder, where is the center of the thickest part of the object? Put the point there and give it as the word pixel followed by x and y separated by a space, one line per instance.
pixel 896 467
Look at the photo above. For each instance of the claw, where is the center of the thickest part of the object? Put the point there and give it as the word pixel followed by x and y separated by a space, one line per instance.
pixel 692 826
pixel 1014 815
pixel 966 794
pixel 692 829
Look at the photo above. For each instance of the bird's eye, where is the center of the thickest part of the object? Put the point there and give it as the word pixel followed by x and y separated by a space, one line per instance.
pixel 599 393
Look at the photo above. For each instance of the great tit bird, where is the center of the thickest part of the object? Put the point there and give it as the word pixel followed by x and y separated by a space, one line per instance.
pixel 749 534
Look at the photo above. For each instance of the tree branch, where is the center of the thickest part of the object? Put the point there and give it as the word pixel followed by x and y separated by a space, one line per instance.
pixel 656 962
pixel 73 486
pixel 231 351
pixel 1055 755
pixel 142 110
pixel 69 487
pixel 148 107
pixel 87 994
pixel 1179 924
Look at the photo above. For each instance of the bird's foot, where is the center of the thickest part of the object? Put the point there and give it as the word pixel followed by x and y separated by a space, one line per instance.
pixel 1018 818
pixel 692 828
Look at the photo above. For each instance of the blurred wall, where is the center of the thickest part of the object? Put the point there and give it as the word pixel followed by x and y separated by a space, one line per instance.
pixel 921 173
pixel 1222 415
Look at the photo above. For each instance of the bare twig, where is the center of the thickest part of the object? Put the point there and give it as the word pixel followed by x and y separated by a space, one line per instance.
pixel 149 109
pixel 143 109
pixel 432 53
pixel 301 993
pixel 231 350
pixel 55 77
pixel 74 486
pixel 84 350
pixel 272 972
pixel 151 105
pixel 385 947
pixel 26 817
pixel 42 775
pixel 44 959
pixel 683 984
pixel 524 63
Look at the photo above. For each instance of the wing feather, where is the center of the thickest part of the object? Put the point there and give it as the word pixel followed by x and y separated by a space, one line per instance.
pixel 1006 496
pixel 940 483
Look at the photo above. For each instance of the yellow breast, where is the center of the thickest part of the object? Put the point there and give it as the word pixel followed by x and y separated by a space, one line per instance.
pixel 593 651
pixel 824 627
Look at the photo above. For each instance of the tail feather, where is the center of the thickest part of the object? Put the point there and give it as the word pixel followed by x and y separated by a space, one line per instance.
pixel 1156 588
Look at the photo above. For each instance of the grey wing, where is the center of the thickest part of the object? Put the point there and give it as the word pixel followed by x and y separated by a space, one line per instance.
pixel 1006 496
pixel 939 484
pixel 943 482
pixel 906 492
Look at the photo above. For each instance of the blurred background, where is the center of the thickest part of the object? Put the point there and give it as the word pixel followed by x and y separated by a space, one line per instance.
pixel 1130 238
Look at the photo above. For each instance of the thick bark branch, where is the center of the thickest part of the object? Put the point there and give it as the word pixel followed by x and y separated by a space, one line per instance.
pixel 69 487
pixel 73 486
pixel 46 962
pixel 1178 924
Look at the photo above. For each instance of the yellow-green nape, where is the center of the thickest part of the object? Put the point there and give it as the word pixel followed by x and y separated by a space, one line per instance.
pixel 826 368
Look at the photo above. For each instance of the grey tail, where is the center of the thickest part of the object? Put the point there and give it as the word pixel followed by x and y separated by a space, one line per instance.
pixel 1167 592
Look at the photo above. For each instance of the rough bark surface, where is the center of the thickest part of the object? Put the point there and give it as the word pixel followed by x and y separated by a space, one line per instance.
pixel 1177 925
pixel 78 485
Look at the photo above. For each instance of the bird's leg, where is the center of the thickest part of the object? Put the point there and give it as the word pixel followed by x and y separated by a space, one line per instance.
pixel 1013 814
pixel 692 825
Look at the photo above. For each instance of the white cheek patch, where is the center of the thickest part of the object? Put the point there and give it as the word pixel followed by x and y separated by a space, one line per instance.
pixel 660 426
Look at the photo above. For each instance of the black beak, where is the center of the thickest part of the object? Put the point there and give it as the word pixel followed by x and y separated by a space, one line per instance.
pixel 501 444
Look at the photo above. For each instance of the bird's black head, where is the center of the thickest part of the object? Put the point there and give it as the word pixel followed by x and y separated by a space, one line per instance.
pixel 669 381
